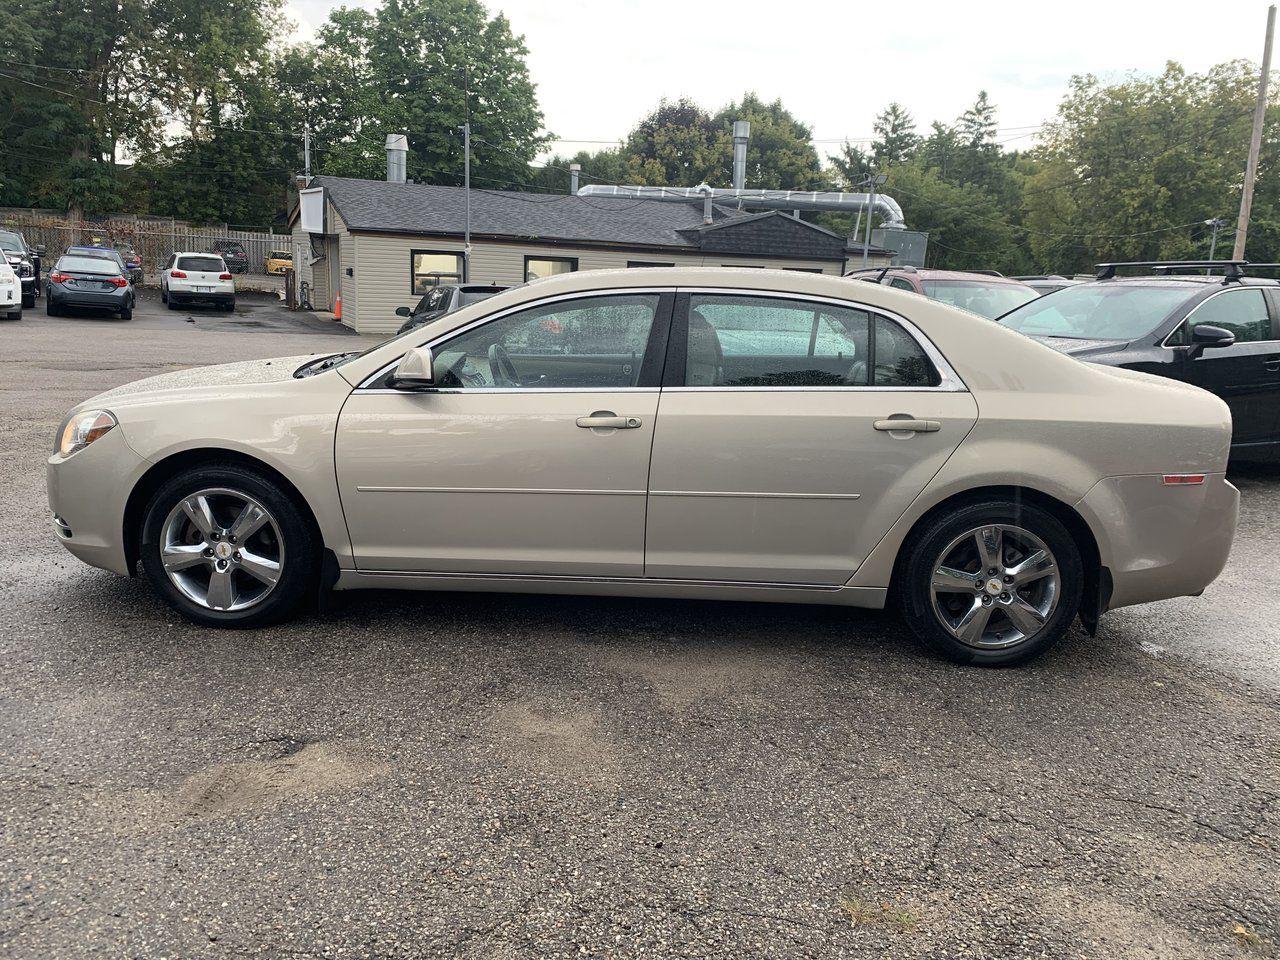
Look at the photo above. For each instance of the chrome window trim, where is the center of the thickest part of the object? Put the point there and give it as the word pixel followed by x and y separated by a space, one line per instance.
pixel 950 380
pixel 1213 296
pixel 443 338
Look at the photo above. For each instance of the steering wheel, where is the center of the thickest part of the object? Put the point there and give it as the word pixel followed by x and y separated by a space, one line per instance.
pixel 501 366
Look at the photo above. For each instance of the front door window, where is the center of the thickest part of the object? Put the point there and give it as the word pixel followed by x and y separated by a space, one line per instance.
pixel 591 342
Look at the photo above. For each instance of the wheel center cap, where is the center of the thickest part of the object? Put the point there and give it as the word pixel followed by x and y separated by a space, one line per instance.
pixel 994 586
pixel 223 550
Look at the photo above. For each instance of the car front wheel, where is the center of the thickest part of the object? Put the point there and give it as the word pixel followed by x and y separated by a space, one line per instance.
pixel 994 583
pixel 226 546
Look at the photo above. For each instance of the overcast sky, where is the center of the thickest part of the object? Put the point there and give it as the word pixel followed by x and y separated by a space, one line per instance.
pixel 600 66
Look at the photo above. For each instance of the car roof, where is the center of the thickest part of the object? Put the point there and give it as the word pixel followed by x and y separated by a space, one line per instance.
pixel 1188 280
pixel 195 253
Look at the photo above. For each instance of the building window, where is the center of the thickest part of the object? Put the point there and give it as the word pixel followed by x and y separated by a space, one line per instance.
pixel 804 269
pixel 535 268
pixel 430 268
pixel 648 263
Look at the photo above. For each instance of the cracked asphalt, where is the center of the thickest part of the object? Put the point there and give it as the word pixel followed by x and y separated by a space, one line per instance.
pixel 461 775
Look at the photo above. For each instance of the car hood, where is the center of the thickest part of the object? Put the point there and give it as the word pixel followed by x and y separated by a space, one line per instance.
pixel 244 373
pixel 1073 346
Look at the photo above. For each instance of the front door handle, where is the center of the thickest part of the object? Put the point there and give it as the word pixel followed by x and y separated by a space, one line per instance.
pixel 893 425
pixel 607 420
pixel 1272 366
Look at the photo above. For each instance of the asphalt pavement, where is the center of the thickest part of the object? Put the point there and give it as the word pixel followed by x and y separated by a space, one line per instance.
pixel 465 775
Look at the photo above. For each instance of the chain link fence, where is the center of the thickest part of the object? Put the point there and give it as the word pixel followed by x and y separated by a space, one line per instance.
pixel 248 254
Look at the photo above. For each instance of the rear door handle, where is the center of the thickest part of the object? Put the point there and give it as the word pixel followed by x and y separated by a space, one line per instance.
pixel 1272 366
pixel 912 426
pixel 605 419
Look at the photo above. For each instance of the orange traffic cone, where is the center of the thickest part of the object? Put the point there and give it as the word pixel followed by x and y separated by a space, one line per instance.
pixel 337 306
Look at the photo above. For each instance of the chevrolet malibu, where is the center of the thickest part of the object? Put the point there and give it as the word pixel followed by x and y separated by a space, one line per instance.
pixel 700 433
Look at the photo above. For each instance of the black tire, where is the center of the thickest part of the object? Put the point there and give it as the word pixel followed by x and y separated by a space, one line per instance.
pixel 229 306
pixel 164 295
pixel 924 550
pixel 29 299
pixel 15 314
pixel 302 548
pixel 173 303
pixel 127 313
pixel 50 308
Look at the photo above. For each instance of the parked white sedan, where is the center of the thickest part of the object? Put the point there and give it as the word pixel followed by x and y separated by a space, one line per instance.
pixel 750 435
pixel 197 278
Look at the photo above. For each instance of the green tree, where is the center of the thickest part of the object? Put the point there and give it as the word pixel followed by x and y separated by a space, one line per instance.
pixel 677 145
pixel 896 139
pixel 780 154
pixel 1130 170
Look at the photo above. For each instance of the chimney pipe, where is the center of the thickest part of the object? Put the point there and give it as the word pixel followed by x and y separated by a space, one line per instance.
pixel 574 170
pixel 397 153
pixel 741 134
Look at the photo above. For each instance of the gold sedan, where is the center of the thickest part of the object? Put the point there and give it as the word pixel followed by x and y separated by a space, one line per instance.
pixel 691 433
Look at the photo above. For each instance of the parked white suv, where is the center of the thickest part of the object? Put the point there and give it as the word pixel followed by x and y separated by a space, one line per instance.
pixel 191 277
pixel 10 292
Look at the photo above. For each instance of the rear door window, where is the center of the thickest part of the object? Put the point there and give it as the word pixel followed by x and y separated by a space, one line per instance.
pixel 745 341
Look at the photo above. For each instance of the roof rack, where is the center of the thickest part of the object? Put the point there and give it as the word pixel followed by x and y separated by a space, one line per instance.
pixel 1232 269
pixel 988 273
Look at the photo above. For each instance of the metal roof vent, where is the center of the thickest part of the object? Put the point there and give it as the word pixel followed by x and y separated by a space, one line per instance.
pixel 397 157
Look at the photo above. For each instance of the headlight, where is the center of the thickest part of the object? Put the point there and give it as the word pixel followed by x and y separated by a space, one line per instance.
pixel 84 428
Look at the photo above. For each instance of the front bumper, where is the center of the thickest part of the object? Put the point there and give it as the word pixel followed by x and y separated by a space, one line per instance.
pixel 87 494
pixel 1161 541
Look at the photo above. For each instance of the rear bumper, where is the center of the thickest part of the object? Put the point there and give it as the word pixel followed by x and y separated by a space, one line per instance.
pixel 1161 541
pixel 10 300
pixel 116 299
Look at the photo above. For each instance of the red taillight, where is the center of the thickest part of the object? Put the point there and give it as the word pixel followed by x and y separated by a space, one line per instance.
pixel 1183 479
pixel 56 277
pixel 118 281
pixel 177 274
pixel 224 276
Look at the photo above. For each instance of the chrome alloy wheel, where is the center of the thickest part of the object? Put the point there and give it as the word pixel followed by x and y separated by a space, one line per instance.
pixel 995 586
pixel 222 549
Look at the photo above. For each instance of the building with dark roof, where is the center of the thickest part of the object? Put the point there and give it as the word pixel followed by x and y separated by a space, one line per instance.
pixel 383 245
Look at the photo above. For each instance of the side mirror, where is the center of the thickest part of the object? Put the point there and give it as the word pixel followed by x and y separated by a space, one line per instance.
pixel 415 371
pixel 403 312
pixel 1205 336
pixel 39 249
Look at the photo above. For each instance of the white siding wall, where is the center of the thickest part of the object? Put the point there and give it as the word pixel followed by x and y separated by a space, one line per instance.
pixel 382 280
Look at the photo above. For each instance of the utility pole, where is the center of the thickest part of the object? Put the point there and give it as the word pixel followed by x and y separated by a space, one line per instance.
pixel 876 180
pixel 1255 141
pixel 466 186
pixel 306 152
pixel 1217 223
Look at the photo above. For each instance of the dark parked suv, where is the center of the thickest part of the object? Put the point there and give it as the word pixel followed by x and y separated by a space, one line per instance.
pixel 1220 332
pixel 232 253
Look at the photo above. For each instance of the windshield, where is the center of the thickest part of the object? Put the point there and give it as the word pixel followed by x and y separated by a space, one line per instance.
pixel 1098 311
pixel 12 242
pixel 988 300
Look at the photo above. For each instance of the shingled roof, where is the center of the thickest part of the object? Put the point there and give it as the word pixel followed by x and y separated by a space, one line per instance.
pixel 376 206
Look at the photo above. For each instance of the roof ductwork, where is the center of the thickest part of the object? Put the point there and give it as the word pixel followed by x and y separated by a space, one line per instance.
pixel 890 212
pixel 397 155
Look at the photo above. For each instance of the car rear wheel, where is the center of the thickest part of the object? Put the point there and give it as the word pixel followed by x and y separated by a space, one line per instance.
pixel 50 308
pixel 225 546
pixel 29 299
pixel 994 583
pixel 127 313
